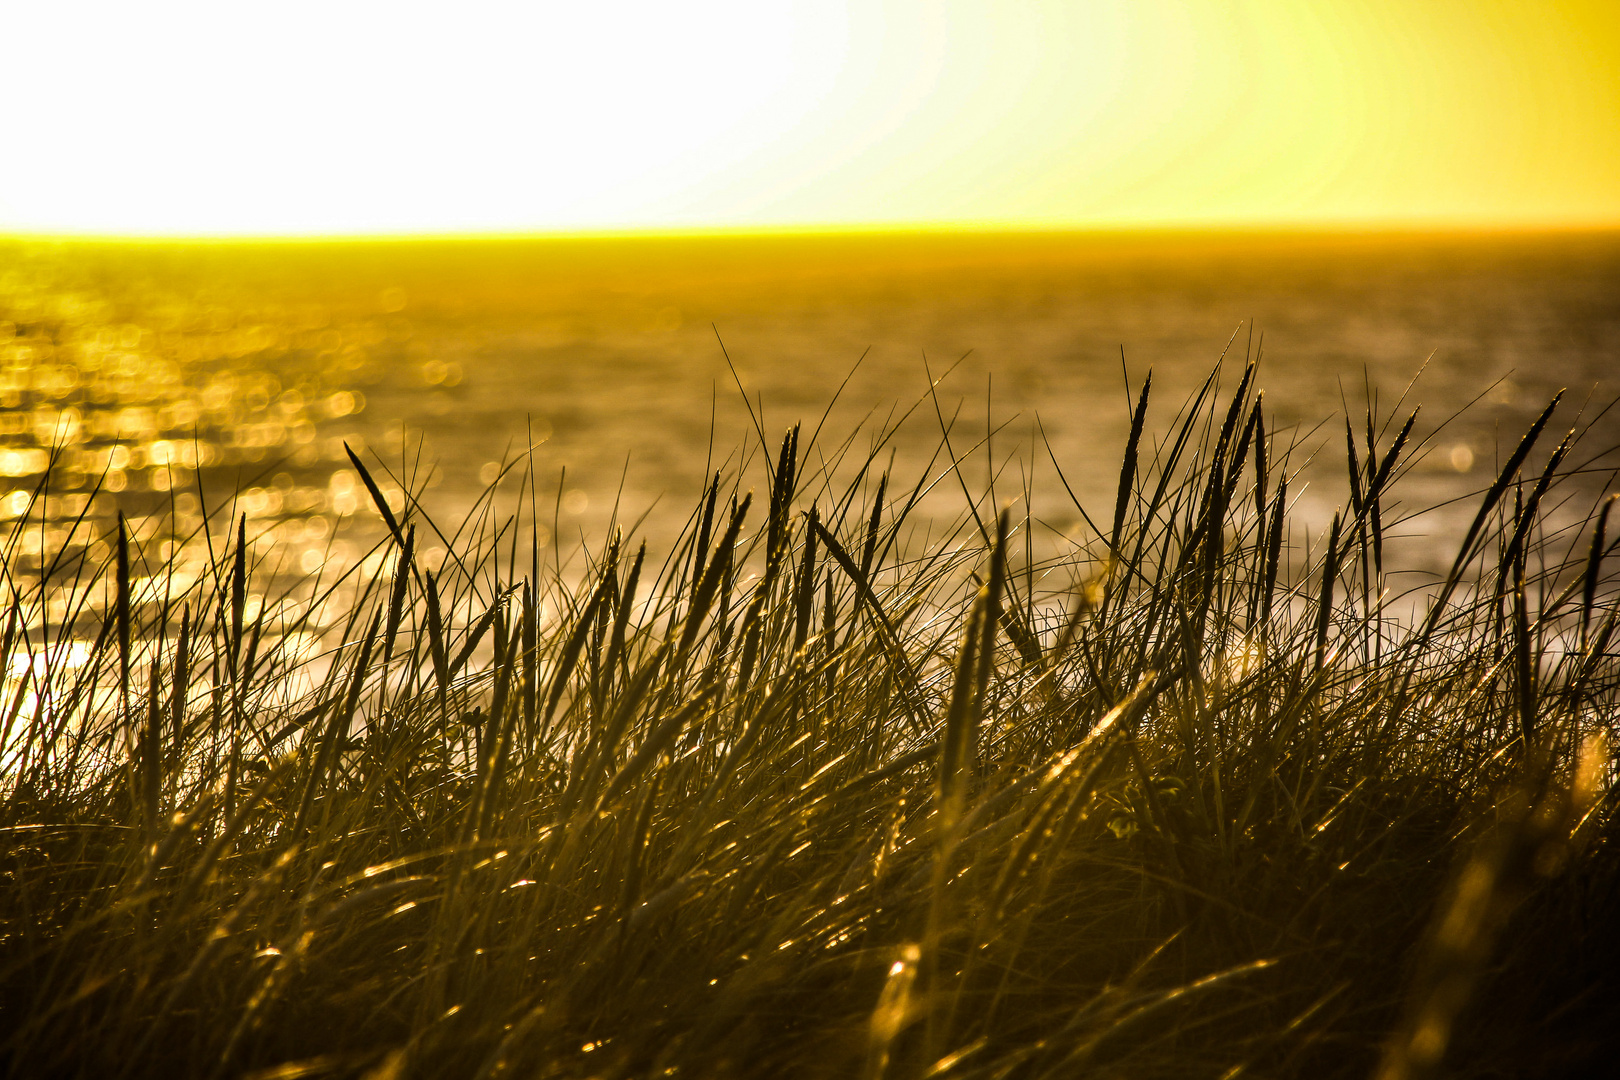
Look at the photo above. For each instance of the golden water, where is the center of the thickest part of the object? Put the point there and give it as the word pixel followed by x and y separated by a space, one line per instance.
pixel 135 364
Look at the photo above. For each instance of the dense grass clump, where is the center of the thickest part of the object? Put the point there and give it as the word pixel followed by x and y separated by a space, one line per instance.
pixel 824 792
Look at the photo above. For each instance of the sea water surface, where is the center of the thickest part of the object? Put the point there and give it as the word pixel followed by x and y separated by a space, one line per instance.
pixel 624 363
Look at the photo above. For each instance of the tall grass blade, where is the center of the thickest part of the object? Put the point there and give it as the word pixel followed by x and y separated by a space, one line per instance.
pixel 1127 469
pixel 888 637
pixel 1324 605
pixel 150 760
pixel 238 594
pixel 397 595
pixel 621 615
pixel 571 649
pixel 121 613
pixel 376 494
pixel 1594 564
pixel 436 638
pixel 973 663
pixel 1492 496
pixel 182 683
pixel 706 589
pixel 1523 653
pixel 805 589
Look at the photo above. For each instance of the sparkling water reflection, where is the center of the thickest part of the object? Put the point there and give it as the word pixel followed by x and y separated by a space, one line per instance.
pixel 137 371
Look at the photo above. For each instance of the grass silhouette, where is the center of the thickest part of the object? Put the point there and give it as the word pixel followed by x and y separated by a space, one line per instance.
pixel 830 790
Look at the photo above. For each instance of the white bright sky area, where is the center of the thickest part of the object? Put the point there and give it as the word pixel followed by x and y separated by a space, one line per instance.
pixel 343 117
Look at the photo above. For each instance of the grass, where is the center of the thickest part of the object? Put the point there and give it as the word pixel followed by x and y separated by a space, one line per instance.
pixel 829 788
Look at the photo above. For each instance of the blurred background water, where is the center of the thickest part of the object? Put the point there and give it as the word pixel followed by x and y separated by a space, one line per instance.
pixel 141 364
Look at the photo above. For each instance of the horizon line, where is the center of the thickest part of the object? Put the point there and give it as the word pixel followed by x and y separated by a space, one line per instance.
pixel 1268 226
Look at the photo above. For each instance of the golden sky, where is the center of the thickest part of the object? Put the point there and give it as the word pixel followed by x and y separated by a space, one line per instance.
pixel 345 117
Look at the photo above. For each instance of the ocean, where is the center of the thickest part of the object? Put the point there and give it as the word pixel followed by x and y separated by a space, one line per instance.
pixel 184 377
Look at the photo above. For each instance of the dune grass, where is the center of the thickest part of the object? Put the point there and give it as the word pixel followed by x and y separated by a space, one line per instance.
pixel 821 788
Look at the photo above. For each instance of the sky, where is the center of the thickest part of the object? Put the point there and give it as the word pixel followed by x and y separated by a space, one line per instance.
pixel 352 117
